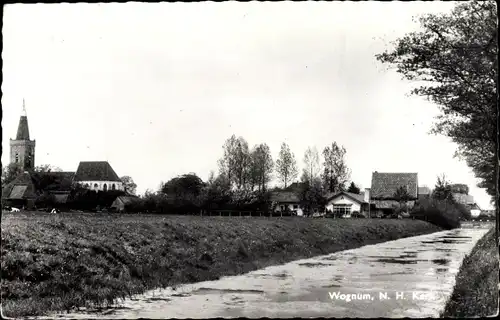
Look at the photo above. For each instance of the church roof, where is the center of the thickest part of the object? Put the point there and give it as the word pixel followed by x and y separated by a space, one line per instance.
pixel 23 132
pixel 95 171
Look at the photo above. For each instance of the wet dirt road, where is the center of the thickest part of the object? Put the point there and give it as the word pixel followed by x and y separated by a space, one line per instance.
pixel 411 277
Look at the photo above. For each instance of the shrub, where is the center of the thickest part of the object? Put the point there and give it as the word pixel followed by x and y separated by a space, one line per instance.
pixel 443 213
pixel 357 214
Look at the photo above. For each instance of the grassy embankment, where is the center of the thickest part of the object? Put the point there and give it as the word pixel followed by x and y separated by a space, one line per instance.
pixel 58 262
pixel 476 289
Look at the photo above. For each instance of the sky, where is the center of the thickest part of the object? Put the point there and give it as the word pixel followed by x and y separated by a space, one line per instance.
pixel 157 88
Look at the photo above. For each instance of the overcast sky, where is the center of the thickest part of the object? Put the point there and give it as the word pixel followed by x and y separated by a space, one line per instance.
pixel 156 89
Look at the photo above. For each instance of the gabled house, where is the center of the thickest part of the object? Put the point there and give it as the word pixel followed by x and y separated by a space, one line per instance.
pixel 21 192
pixel 345 203
pixel 121 202
pixel 383 189
pixel 286 201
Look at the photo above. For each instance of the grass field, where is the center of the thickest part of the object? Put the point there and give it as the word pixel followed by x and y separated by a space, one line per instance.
pixel 476 289
pixel 61 261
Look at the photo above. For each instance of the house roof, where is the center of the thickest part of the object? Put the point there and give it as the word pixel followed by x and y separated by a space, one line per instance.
pixel 127 199
pixel 424 190
pixel 23 132
pixel 95 171
pixel 356 197
pixel 384 185
pixel 22 187
pixel 294 187
pixel 285 196
pixel 17 192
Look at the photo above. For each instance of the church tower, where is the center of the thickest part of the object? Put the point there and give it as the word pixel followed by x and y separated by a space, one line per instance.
pixel 22 149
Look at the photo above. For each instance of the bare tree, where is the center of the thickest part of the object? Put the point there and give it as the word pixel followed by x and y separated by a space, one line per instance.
pixel 286 166
pixel 311 165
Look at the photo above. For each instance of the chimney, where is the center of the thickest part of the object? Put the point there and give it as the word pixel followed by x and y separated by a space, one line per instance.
pixel 367 195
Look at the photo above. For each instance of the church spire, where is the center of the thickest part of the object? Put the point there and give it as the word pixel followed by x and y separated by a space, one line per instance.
pixel 23 132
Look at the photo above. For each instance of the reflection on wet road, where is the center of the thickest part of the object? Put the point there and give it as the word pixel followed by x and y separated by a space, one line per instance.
pixel 410 277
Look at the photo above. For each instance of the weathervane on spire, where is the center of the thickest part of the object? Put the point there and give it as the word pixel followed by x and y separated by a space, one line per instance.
pixel 24 108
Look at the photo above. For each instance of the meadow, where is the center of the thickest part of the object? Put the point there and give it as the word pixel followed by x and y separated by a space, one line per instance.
pixel 57 262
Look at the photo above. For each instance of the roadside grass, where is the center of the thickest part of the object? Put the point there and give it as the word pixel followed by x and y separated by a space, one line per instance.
pixel 476 289
pixel 58 262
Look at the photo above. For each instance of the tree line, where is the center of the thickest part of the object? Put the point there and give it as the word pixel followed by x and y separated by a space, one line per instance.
pixel 242 182
pixel 244 177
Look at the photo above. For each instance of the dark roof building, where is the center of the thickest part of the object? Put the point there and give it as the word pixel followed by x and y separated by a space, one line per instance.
pixel 384 185
pixel 23 187
pixel 285 197
pixel 95 171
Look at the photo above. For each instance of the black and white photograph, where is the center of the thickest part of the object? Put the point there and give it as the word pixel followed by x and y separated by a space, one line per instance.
pixel 279 159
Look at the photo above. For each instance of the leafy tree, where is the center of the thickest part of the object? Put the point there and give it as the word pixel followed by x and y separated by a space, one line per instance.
pixel 442 190
pixel 128 184
pixel 10 172
pixel 336 173
pixel 455 59
pixel 262 166
pixel 311 165
pixel 353 188
pixel 286 166
pixel 311 196
pixel 235 164
pixel 217 192
pixel 402 196
pixel 185 191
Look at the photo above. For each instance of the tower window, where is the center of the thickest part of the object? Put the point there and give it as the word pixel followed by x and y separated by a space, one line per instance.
pixel 17 157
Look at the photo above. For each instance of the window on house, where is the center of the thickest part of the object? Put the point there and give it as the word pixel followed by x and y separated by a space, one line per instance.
pixel 96 186
pixel 105 188
pixel 87 185
pixel 295 206
pixel 113 186
pixel 282 207
pixel 341 209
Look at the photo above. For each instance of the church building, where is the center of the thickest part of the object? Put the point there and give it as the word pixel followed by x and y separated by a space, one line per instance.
pixel 23 191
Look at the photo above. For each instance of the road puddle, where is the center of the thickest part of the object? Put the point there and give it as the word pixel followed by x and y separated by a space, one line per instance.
pixel 410 277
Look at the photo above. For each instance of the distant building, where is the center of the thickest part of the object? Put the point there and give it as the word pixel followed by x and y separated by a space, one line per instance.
pixel 121 202
pixel 345 203
pixel 384 186
pixel 286 201
pixel 97 175
pixel 23 191
pixel 424 193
